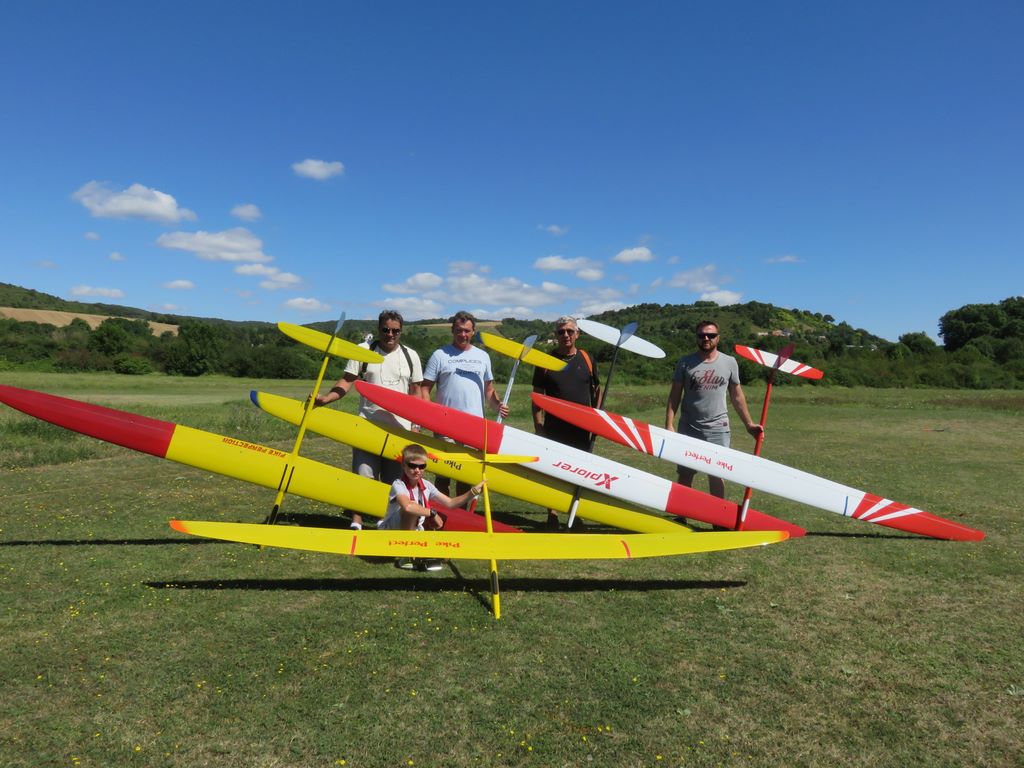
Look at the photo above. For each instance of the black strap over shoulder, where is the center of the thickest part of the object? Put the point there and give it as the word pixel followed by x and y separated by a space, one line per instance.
pixel 374 346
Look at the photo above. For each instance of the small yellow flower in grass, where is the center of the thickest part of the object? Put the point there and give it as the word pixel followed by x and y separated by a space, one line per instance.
pixel 138 748
pixel 412 693
pixel 657 757
pixel 341 762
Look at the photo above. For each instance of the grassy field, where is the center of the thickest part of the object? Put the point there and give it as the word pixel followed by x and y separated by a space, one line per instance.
pixel 125 643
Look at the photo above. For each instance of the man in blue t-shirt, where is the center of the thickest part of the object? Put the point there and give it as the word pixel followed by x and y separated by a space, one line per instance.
pixel 463 376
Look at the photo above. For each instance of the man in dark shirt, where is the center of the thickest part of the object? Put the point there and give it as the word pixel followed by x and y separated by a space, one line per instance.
pixel 577 383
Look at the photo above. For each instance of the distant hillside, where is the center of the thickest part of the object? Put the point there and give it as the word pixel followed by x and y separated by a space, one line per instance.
pixel 984 343
pixel 16 297
pixel 59 318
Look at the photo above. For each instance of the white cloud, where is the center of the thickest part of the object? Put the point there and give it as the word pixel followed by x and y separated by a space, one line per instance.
pixel 256 270
pixel 413 308
pixel 46 264
pixel 595 307
pixel 722 298
pixel 786 259
pixel 429 295
pixel 321 170
pixel 167 307
pixel 247 212
pixel 418 283
pixel 462 267
pixel 656 282
pixel 631 255
pixel 281 280
pixel 697 280
pixel 91 235
pixel 238 244
pixel 558 263
pixel 584 268
pixel 106 293
pixel 116 256
pixel 706 282
pixel 180 285
pixel 519 311
pixel 135 202
pixel 306 305
pixel 672 260
pixel 276 279
pixel 554 229
pixel 477 290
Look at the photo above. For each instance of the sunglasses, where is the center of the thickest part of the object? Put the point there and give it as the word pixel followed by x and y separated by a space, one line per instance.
pixel 391 331
pixel 565 332
pixel 707 335
pixel 412 465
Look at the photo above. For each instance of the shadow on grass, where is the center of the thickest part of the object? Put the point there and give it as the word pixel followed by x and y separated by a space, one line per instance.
pixel 425 583
pixel 107 542
pixel 313 520
pixel 870 535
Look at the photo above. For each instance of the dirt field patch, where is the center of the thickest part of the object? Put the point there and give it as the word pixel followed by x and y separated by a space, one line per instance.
pixel 60 319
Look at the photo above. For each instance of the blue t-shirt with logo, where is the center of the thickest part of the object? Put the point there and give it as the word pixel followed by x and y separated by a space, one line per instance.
pixel 459 376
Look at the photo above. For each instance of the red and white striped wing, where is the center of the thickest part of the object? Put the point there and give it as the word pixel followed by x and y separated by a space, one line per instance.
pixel 770 360
pixel 756 472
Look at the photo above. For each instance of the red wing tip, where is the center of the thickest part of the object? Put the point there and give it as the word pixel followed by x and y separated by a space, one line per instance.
pixel 179 525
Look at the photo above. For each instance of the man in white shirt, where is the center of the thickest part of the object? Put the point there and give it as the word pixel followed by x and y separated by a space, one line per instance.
pixel 400 371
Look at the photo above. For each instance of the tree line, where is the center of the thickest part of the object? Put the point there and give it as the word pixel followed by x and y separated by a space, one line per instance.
pixel 983 344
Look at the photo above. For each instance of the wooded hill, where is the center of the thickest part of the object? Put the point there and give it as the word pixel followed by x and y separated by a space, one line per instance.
pixel 983 343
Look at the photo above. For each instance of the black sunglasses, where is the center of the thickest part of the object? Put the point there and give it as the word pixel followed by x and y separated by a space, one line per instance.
pixel 412 465
pixel 707 335
pixel 565 332
pixel 391 331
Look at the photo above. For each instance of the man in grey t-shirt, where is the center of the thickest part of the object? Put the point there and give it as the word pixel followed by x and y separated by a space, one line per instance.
pixel 701 382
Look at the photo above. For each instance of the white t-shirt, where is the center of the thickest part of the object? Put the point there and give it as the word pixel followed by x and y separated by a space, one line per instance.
pixel 460 376
pixel 393 373
pixel 421 495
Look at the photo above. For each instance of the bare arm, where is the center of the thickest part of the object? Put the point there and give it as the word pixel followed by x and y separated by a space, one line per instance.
pixel 338 391
pixel 675 395
pixel 739 402
pixel 412 511
pixel 491 396
pixel 425 386
pixel 451 503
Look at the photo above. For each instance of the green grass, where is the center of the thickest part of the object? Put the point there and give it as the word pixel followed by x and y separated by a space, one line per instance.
pixel 125 643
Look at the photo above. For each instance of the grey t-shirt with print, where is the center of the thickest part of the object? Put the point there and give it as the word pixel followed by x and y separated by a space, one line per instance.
pixel 705 389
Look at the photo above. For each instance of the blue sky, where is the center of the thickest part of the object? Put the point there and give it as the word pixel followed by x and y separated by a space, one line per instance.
pixel 528 159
